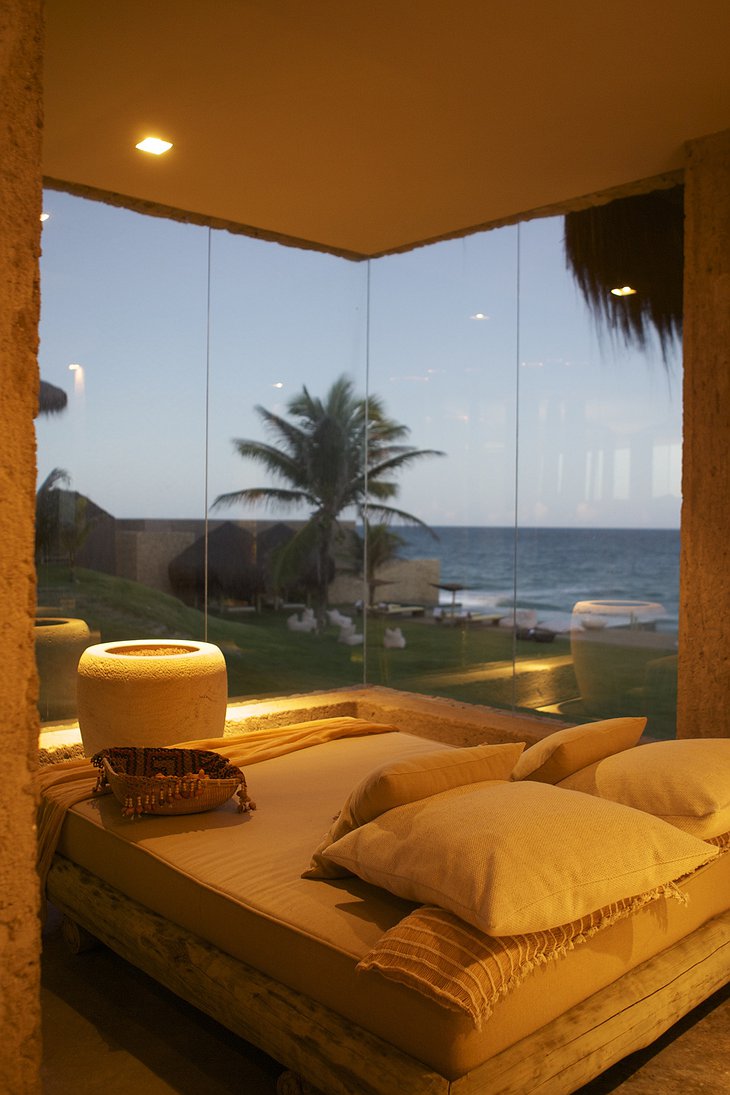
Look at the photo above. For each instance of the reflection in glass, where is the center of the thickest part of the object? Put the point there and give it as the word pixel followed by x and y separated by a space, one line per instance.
pixel 288 326
pixel 121 464
pixel 599 493
pixel 559 487
pixel 443 354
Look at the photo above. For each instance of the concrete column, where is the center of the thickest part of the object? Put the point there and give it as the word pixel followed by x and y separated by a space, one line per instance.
pixel 20 206
pixel 704 637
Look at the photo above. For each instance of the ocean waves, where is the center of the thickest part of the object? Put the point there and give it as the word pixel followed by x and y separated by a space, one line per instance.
pixel 549 570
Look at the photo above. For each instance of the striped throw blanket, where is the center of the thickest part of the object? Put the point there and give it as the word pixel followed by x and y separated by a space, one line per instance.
pixel 461 968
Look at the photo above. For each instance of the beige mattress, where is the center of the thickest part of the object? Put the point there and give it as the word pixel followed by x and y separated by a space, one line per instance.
pixel 235 880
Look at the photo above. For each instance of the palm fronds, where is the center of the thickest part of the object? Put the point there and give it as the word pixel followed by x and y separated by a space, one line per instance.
pixel 333 454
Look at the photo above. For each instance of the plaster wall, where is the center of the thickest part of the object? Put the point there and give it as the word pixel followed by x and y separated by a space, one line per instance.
pixel 704 635
pixel 144 556
pixel 20 207
pixel 407 581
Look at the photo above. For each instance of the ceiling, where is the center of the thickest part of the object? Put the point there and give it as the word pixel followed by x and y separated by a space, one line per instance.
pixel 366 126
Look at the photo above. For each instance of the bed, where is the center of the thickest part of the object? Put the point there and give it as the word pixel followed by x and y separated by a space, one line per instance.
pixel 214 906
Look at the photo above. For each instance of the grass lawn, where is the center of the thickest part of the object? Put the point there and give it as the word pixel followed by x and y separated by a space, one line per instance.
pixel 264 658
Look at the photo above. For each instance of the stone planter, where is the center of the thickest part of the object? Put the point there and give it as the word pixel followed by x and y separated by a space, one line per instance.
pixel 151 692
pixel 59 643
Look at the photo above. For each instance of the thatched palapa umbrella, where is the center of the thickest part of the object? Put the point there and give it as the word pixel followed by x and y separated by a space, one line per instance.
pixel 271 540
pixel 232 571
pixel 289 560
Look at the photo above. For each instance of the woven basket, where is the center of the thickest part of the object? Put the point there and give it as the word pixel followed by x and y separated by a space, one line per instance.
pixel 169 781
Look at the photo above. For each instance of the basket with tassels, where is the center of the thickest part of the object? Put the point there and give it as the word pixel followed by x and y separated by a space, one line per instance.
pixel 169 781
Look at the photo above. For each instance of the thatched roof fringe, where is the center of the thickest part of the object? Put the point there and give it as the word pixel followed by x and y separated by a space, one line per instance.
pixel 636 241
pixel 51 400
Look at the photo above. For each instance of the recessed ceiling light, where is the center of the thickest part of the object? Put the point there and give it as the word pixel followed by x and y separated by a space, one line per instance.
pixel 154 145
pixel 45 216
pixel 479 315
pixel 74 366
pixel 624 291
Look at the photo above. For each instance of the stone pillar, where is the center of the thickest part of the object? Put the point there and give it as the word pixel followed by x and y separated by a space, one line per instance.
pixel 20 205
pixel 704 636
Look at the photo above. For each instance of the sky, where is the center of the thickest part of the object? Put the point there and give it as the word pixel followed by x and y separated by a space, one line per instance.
pixel 180 332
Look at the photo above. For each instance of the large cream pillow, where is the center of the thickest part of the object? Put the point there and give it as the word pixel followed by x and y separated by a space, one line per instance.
pixel 566 751
pixel 686 782
pixel 511 858
pixel 411 779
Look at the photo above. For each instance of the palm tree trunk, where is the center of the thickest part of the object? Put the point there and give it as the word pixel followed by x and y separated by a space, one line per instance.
pixel 323 568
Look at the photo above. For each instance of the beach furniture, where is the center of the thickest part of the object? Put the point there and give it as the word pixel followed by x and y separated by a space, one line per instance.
pixel 306 622
pixel 336 618
pixel 391 608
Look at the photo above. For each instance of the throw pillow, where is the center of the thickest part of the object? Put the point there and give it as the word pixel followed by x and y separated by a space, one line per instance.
pixel 410 780
pixel 566 751
pixel 511 858
pixel 685 782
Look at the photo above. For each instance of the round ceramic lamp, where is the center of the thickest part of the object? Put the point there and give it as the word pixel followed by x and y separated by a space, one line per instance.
pixel 59 642
pixel 149 692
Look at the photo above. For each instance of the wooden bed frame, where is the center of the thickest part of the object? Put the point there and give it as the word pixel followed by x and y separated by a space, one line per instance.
pixel 329 1054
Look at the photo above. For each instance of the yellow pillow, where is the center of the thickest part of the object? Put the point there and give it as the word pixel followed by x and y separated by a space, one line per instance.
pixel 685 782
pixel 512 858
pixel 566 751
pixel 409 780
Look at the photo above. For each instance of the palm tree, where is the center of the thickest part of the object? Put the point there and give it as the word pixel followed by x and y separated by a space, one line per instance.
pixel 47 520
pixel 62 521
pixel 75 531
pixel 333 454
pixel 377 546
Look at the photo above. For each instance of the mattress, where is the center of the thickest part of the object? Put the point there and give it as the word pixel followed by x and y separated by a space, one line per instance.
pixel 235 880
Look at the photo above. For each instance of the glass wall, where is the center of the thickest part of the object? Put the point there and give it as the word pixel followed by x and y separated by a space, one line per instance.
pixel 444 347
pixel 599 462
pixel 122 335
pixel 542 572
pixel 282 320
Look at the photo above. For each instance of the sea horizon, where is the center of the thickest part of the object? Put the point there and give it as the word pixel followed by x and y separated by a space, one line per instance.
pixel 551 568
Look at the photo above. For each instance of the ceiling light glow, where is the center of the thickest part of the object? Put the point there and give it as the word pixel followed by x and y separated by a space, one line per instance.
pixel 79 381
pixel 479 315
pixel 624 291
pixel 45 216
pixel 154 145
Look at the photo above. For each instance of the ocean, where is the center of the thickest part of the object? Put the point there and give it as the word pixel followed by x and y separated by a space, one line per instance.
pixel 550 569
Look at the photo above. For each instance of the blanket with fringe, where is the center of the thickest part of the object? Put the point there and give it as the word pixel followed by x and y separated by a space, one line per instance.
pixel 463 969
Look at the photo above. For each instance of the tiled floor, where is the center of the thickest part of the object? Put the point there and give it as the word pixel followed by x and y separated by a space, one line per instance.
pixel 110 1030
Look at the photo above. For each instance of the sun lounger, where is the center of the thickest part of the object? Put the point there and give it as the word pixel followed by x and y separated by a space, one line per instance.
pixel 398 610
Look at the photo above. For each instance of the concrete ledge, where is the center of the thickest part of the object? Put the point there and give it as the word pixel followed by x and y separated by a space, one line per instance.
pixel 450 721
